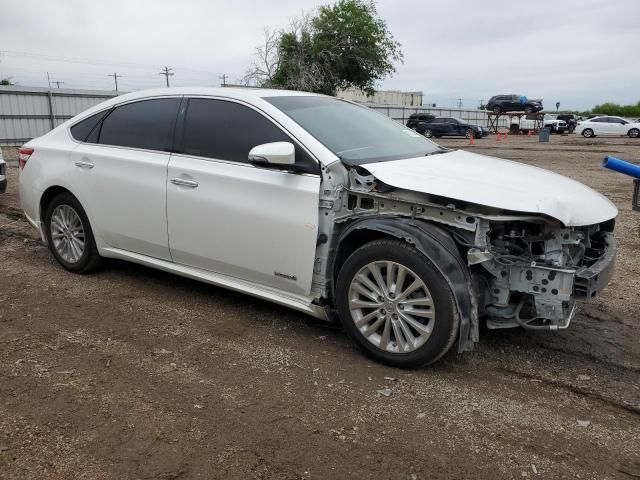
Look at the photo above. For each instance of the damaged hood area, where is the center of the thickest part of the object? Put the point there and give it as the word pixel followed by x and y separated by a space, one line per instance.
pixel 497 183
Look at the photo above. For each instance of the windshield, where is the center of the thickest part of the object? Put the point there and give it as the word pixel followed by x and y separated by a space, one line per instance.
pixel 357 135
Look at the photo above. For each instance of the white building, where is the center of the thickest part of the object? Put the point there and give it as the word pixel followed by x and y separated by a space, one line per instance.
pixel 382 97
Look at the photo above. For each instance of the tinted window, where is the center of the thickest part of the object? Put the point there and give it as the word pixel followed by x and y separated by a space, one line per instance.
pixel 599 120
pixel 81 130
pixel 616 120
pixel 147 124
pixel 228 131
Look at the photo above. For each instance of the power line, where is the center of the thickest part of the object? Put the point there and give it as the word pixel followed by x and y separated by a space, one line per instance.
pixel 115 78
pixel 167 72
pixel 55 58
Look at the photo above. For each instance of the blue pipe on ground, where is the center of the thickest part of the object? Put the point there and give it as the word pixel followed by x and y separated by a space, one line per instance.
pixel 613 163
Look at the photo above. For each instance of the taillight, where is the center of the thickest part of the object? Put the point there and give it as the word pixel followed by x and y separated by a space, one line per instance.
pixel 23 155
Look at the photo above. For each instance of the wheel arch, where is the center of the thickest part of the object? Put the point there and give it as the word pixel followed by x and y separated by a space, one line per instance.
pixel 433 242
pixel 48 195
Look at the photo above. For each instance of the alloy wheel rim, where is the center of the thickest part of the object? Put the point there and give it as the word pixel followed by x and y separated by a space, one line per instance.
pixel 67 233
pixel 391 306
pixel 428 134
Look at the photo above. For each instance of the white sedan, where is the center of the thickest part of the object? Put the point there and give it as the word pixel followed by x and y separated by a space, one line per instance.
pixel 324 206
pixel 607 125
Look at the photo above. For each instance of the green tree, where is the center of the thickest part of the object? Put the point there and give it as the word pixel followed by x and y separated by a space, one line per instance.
pixel 610 108
pixel 338 46
pixel 6 81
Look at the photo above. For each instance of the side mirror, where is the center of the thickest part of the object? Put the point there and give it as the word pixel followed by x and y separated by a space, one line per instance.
pixel 275 153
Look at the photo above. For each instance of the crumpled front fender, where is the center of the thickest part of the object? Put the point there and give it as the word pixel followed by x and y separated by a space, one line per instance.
pixel 436 244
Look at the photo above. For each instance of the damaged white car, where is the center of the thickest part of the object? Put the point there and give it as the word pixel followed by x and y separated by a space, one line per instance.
pixel 323 206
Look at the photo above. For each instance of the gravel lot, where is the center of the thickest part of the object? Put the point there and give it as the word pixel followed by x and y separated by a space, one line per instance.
pixel 134 373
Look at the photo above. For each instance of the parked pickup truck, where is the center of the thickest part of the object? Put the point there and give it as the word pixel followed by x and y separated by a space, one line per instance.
pixel 528 122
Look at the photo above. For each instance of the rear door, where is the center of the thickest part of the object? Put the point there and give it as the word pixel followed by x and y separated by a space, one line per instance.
pixel 601 126
pixel 120 174
pixel 225 215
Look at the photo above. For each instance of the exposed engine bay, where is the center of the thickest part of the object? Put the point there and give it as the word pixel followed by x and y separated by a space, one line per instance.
pixel 535 269
pixel 526 270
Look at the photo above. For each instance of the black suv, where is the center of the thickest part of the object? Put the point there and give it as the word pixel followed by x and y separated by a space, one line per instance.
pixel 512 103
pixel 441 126
pixel 569 119
pixel 417 121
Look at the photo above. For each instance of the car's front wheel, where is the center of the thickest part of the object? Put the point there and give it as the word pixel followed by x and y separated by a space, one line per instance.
pixel 69 234
pixel 468 133
pixel 528 109
pixel 587 133
pixel 497 109
pixel 634 133
pixel 396 305
pixel 428 133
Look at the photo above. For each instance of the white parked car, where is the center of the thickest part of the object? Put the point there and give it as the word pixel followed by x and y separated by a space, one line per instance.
pixel 324 206
pixel 607 125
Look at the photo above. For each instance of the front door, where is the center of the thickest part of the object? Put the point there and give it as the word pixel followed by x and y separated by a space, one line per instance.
pixel 225 215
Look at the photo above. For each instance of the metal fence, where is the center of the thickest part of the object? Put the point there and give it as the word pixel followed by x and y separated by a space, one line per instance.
pixel 401 114
pixel 27 112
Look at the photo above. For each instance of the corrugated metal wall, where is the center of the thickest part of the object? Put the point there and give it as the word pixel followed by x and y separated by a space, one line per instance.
pixel 26 113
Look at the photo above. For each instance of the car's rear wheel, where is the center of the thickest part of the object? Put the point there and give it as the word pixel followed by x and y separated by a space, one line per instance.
pixel 634 133
pixel 428 133
pixel 587 133
pixel 69 234
pixel 396 305
pixel 468 133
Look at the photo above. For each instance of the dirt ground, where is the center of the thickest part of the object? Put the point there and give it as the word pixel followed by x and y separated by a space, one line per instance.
pixel 134 373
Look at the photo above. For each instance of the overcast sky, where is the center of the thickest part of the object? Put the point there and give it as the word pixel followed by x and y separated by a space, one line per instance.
pixel 577 52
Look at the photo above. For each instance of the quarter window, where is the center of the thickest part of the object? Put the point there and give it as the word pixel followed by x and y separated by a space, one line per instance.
pixel 81 130
pixel 228 131
pixel 146 124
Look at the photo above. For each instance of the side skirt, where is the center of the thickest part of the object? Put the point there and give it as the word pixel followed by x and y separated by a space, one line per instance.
pixel 297 302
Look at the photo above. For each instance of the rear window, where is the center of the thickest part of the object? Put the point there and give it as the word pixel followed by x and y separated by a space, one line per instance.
pixel 147 124
pixel 81 130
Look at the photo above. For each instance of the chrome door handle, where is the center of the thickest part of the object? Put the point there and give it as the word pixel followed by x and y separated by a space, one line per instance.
pixel 181 182
pixel 84 164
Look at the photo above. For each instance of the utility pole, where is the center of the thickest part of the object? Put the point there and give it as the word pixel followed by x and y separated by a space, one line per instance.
pixel 57 82
pixel 167 72
pixel 48 80
pixel 459 103
pixel 115 78
pixel 223 77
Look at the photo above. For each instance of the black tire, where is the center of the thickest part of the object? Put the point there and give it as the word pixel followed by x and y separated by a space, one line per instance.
pixel 588 133
pixel 90 258
pixel 528 109
pixel 634 133
pixel 514 129
pixel 497 109
pixel 428 133
pixel 446 322
pixel 468 133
